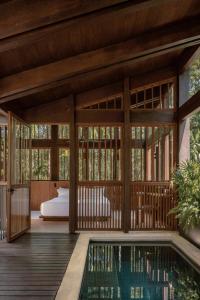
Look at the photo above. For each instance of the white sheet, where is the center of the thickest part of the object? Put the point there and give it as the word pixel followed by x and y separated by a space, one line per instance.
pixel 59 207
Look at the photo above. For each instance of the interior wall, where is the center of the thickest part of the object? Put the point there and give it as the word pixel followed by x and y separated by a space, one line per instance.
pixel 44 190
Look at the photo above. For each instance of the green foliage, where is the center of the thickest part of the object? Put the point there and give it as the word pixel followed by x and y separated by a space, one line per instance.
pixel 187 181
pixel 194 74
pixel 186 287
pixel 195 137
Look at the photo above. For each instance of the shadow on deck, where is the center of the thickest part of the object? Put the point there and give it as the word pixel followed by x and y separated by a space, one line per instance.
pixel 33 266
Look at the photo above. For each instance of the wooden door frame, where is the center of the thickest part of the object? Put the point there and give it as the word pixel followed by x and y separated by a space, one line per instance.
pixel 10 186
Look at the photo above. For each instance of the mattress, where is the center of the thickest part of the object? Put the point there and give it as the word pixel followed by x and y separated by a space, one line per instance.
pixel 89 207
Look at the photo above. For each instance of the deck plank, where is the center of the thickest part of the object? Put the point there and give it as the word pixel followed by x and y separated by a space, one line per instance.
pixel 32 267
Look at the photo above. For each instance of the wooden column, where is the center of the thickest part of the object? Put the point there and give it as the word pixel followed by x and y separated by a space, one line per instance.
pixel 127 157
pixel 73 157
pixel 54 153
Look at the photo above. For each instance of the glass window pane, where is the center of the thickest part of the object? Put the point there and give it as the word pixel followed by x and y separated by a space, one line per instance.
pixel 41 165
pixel 64 163
pixel 40 131
pixel 63 131
pixel 154 97
pixel 99 153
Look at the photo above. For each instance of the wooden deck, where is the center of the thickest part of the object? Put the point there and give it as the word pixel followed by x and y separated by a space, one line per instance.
pixel 33 266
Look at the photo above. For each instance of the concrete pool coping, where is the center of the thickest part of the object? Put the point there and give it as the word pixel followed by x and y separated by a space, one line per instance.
pixel 71 283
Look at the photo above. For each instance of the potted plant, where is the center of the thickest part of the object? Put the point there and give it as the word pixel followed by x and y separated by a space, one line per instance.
pixel 187 181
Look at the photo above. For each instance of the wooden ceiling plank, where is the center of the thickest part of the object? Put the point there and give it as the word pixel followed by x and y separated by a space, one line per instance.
pixel 162 40
pixel 29 33
pixel 22 15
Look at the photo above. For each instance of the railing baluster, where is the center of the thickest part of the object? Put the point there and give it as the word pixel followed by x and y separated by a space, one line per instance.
pixel 3 192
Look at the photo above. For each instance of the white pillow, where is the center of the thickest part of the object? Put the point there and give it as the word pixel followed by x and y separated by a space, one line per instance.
pixel 63 191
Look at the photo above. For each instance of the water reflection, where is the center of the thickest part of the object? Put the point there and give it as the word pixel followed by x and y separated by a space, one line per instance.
pixel 138 272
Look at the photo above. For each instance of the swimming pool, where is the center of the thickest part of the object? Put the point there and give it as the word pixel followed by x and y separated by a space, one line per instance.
pixel 138 271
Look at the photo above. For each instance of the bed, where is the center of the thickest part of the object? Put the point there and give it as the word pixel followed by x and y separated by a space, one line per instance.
pixel 92 203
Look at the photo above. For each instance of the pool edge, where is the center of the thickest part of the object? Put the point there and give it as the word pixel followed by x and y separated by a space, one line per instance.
pixel 72 280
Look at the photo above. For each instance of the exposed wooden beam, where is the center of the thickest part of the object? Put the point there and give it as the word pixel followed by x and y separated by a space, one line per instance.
pixel 54 153
pixel 24 22
pixel 189 107
pixel 3 113
pixel 53 113
pixel 73 168
pixel 22 15
pixel 156 76
pixel 58 112
pixel 102 93
pixel 99 116
pixel 126 157
pixel 160 41
pixel 186 58
pixel 153 117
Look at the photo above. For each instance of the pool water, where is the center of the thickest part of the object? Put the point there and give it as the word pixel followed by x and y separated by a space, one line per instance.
pixel 134 271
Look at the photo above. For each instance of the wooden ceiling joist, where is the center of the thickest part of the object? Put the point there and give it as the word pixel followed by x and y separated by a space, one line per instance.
pixel 162 40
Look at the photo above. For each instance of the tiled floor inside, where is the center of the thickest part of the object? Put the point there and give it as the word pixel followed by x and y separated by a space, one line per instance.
pixel 38 225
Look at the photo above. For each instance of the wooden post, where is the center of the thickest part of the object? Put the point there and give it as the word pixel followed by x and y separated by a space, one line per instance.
pixel 73 156
pixel 54 153
pixel 126 157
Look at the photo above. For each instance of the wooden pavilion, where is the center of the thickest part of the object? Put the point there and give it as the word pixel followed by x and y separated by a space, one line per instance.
pixel 108 83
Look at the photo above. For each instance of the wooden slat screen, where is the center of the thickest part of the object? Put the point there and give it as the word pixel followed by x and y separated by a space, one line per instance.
pixel 99 191
pixel 150 205
pixel 20 177
pixel 3 152
pixel 99 205
pixel 153 160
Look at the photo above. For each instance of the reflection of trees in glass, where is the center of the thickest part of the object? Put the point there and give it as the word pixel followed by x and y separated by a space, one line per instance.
pixel 64 156
pixel 99 153
pixel 41 164
pixel 40 131
pixel 194 73
pixel 3 153
pixel 63 131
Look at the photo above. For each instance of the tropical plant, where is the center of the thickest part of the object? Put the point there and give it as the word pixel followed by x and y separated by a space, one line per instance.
pixel 194 75
pixel 194 87
pixel 187 181
pixel 195 137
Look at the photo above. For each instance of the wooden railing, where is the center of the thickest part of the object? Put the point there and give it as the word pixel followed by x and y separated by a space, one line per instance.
pixel 99 205
pixel 150 205
pixel 3 192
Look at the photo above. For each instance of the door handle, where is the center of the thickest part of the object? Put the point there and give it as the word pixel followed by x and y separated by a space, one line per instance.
pixel 11 190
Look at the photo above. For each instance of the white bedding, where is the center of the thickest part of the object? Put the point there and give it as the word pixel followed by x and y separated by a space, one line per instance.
pixel 59 207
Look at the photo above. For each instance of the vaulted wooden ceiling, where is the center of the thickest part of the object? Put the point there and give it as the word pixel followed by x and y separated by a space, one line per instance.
pixel 50 49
